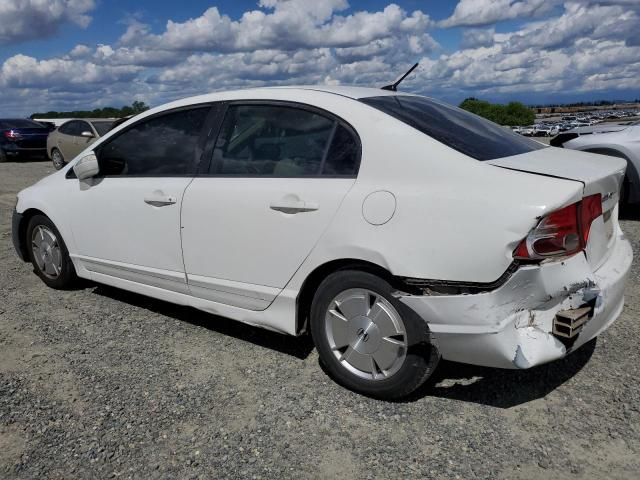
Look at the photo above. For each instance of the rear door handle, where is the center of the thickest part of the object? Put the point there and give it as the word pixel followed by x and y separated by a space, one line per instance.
pixel 292 206
pixel 159 199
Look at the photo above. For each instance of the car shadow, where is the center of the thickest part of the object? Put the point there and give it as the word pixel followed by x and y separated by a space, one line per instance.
pixel 298 347
pixel 630 212
pixel 502 388
pixel 494 387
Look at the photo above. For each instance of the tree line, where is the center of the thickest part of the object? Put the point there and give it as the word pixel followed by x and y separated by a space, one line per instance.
pixel 106 112
pixel 512 114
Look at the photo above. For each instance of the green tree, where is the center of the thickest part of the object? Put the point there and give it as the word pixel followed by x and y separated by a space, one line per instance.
pixel 139 107
pixel 514 113
pixel 105 112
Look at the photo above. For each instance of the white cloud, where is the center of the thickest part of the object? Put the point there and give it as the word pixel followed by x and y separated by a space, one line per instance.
pixel 290 25
pixel 583 46
pixel 21 71
pixel 28 19
pixel 485 12
pixel 478 37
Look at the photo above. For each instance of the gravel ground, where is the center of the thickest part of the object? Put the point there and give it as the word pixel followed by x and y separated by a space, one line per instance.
pixel 100 383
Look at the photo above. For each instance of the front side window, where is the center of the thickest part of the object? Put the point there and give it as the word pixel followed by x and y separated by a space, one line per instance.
pixel 160 146
pixel 273 141
pixel 82 127
pixel 461 130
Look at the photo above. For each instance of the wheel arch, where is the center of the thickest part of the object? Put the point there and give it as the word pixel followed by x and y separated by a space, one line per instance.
pixel 315 278
pixel 25 218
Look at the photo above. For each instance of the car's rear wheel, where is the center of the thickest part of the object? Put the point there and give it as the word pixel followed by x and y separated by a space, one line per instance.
pixel 369 341
pixel 3 156
pixel 48 253
pixel 57 159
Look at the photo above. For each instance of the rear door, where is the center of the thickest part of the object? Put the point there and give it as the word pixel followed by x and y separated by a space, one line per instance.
pixel 277 176
pixel 66 138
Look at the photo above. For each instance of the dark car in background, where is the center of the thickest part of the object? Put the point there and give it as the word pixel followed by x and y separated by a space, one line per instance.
pixel 22 138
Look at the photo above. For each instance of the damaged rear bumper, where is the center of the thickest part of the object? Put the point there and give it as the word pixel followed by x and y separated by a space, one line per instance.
pixel 512 326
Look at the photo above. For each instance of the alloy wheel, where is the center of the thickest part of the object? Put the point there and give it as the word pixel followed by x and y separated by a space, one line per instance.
pixel 58 161
pixel 46 251
pixel 366 334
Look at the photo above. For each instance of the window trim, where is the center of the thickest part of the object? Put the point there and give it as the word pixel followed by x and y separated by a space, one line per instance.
pixel 206 164
pixel 88 124
pixel 200 146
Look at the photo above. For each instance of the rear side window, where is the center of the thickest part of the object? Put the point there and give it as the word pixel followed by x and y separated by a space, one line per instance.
pixel 283 141
pixel 66 128
pixel 461 130
pixel 74 128
pixel 344 154
pixel 161 146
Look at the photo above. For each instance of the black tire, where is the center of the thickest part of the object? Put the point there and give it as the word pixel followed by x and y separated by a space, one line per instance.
pixel 3 156
pixel 58 162
pixel 624 193
pixel 421 356
pixel 66 277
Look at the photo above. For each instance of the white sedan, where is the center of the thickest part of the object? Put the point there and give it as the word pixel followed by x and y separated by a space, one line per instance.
pixel 396 229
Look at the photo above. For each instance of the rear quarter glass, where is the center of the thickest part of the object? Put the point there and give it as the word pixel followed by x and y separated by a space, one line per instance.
pixel 458 129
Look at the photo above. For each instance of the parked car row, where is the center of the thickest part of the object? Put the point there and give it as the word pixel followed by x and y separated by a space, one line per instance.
pixel 550 128
pixel 541 130
pixel 24 138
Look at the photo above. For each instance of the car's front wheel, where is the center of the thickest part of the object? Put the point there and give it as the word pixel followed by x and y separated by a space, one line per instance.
pixel 369 341
pixel 48 253
pixel 3 156
pixel 57 159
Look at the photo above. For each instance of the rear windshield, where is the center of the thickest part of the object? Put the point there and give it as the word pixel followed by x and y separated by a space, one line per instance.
pixel 461 130
pixel 19 123
pixel 102 127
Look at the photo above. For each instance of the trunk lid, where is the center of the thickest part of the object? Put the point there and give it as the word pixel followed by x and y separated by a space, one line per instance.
pixel 597 173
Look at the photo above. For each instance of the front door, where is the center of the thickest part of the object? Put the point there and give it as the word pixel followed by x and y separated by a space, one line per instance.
pixel 126 221
pixel 277 178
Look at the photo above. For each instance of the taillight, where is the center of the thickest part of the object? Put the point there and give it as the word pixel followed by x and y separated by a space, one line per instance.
pixel 561 233
pixel 12 135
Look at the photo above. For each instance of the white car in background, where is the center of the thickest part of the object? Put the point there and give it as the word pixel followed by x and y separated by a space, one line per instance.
pixel 394 228
pixel 622 141
pixel 527 131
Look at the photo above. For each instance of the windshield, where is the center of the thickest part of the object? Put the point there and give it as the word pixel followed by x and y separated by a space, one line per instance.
pixel 19 123
pixel 461 130
pixel 102 127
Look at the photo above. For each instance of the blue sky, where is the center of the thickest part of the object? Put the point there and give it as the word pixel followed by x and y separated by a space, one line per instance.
pixel 83 54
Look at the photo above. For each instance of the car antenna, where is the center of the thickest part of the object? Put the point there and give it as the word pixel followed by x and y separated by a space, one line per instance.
pixel 394 86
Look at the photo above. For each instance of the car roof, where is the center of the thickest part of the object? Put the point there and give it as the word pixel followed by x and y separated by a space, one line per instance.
pixel 345 90
pixel 351 92
pixel 16 120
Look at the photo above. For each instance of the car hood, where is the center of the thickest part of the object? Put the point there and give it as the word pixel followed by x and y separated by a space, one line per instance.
pixel 598 173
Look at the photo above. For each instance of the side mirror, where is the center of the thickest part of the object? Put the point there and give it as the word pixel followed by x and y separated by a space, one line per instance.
pixel 87 134
pixel 86 167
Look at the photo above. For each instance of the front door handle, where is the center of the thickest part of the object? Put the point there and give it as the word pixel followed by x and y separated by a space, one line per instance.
pixel 293 205
pixel 159 199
